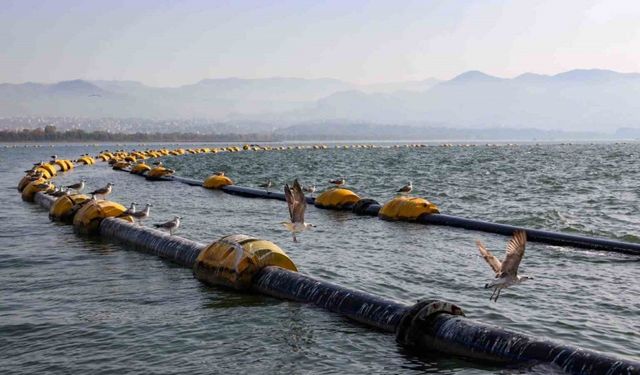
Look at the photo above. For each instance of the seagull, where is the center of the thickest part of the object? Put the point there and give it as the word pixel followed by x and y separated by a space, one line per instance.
pixel 507 270
pixel 309 189
pixel 406 189
pixel 54 158
pixel 60 192
pixel 78 187
pixel 338 182
pixel 158 163
pixel 170 225
pixel 103 191
pixel 219 173
pixel 131 210
pixel 297 204
pixel 267 185
pixel 141 215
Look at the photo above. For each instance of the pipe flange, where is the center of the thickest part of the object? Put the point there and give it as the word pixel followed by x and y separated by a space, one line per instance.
pixel 419 316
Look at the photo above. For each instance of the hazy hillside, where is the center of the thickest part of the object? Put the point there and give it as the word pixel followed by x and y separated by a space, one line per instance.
pixel 578 100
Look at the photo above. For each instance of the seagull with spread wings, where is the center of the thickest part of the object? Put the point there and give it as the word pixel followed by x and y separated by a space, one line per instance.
pixel 297 205
pixel 507 270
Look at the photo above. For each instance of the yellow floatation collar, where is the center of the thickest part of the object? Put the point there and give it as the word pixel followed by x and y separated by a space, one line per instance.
pixel 216 182
pixel 407 208
pixel 233 261
pixel 336 198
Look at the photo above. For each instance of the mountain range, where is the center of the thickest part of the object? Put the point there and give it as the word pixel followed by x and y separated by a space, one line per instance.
pixel 577 100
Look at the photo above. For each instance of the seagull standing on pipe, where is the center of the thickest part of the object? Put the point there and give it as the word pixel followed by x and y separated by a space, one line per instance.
pixel 507 270
pixel 267 185
pixel 297 205
pixel 406 189
pixel 144 214
pixel 338 182
pixel 78 187
pixel 170 225
pixel 131 210
pixel 103 192
pixel 309 189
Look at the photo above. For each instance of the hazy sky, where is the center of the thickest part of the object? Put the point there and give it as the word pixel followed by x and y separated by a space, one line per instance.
pixel 168 43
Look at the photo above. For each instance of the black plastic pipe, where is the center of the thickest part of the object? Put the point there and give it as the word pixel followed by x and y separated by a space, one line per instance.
pixel 176 249
pixel 534 235
pixel 461 336
pixel 362 307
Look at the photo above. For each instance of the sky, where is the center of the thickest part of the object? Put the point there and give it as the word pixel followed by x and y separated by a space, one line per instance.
pixel 171 43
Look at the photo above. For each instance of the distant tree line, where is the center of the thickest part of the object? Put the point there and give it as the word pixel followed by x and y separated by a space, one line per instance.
pixel 50 134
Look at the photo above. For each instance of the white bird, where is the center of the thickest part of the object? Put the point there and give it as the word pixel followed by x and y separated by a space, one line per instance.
pixel 406 189
pixel 297 205
pixel 338 182
pixel 144 214
pixel 170 225
pixel 309 189
pixel 78 187
pixel 103 191
pixel 267 185
pixel 131 210
pixel 507 270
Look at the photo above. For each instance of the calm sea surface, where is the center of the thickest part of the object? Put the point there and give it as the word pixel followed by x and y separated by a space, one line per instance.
pixel 72 304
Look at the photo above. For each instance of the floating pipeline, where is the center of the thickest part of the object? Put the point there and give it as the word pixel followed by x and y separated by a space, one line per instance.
pixel 425 327
pixel 533 235
pixel 370 207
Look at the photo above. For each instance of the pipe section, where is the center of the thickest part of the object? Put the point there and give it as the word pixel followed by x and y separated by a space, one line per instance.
pixel 464 337
pixel 176 249
pixel 534 235
pixel 360 306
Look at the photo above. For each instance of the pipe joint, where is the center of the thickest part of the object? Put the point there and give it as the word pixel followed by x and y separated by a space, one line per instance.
pixel 417 321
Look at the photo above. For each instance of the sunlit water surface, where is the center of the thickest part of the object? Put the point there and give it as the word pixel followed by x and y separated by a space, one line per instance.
pixel 72 304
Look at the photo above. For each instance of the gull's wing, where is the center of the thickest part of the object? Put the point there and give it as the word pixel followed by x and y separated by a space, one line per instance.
pixel 300 203
pixel 515 252
pixel 288 195
pixel 493 262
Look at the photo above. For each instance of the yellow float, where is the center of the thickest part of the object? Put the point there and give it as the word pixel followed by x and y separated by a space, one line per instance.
pixel 234 260
pixel 65 207
pixel 88 217
pixel 336 198
pixel 216 182
pixel 407 208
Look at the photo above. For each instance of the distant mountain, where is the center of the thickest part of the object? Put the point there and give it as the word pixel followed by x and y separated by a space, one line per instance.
pixel 577 100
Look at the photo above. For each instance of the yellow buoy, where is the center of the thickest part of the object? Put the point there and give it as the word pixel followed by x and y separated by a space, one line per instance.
pixel 88 217
pixel 234 260
pixel 32 188
pixel 140 168
pixel 336 198
pixel 407 208
pixel 120 165
pixel 216 182
pixel 49 168
pixel 65 207
pixel 159 172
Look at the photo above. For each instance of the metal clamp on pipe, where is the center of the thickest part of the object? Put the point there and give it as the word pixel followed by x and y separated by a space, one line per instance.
pixel 416 322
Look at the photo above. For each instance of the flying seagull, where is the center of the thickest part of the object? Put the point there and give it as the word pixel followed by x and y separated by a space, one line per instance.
pixel 297 205
pixel 78 187
pixel 338 182
pixel 406 189
pixel 507 270
pixel 103 191
pixel 170 225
